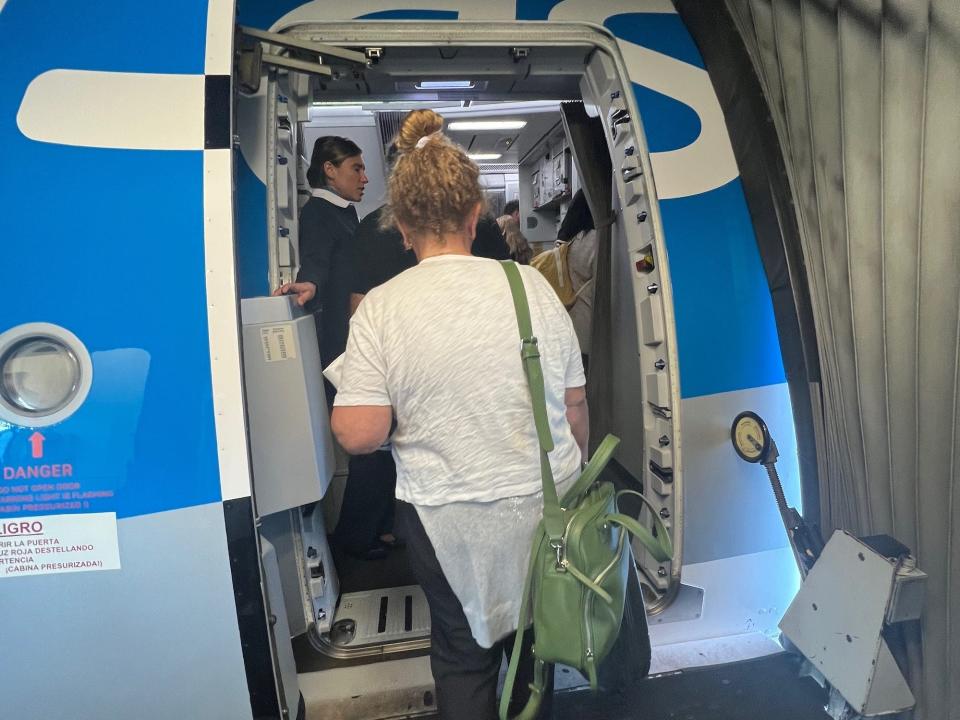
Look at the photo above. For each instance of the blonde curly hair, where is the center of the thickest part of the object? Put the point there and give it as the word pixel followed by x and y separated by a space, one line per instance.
pixel 434 185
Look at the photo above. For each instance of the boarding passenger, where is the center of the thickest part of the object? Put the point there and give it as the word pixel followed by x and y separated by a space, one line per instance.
pixel 380 253
pixel 489 241
pixel 327 222
pixel 509 224
pixel 437 349
pixel 365 525
pixel 577 229
pixel 512 210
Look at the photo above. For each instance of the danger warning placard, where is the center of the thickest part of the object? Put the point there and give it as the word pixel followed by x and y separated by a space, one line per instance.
pixel 58 544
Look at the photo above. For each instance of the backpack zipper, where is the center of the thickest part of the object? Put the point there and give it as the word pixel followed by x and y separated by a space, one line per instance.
pixel 589 603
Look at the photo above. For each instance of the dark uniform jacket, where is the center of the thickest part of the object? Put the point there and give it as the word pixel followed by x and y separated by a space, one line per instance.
pixel 326 236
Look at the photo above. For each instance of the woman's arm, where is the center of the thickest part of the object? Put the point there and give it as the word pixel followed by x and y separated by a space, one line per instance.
pixel 361 429
pixel 578 416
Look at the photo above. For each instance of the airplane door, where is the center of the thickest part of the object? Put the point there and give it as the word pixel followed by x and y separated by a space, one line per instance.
pixel 286 101
pixel 644 356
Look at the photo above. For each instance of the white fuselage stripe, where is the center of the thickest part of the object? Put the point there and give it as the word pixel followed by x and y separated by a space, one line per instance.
pixel 132 111
pixel 222 314
pixel 598 10
pixel 223 330
pixel 708 162
pixel 218 56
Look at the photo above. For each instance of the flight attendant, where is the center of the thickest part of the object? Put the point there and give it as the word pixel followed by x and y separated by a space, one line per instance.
pixel 337 178
pixel 328 221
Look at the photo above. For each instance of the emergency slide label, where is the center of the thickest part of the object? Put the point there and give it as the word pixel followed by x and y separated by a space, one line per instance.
pixel 58 544
pixel 278 343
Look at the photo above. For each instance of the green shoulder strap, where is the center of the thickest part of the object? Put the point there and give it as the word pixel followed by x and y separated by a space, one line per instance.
pixel 530 356
pixel 598 461
pixel 529 711
pixel 552 514
pixel 658 544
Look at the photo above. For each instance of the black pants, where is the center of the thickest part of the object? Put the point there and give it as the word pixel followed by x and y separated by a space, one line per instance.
pixel 629 658
pixel 368 502
pixel 465 674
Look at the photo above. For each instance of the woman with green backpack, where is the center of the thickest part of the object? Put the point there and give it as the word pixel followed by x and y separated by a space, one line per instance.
pixel 476 362
pixel 437 348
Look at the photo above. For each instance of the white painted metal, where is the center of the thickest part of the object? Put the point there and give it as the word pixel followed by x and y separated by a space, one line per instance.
pixel 218 51
pixel 133 111
pixel 837 619
pixel 283 651
pixel 742 594
pixel 487 10
pixel 712 651
pixel 223 323
pixel 729 502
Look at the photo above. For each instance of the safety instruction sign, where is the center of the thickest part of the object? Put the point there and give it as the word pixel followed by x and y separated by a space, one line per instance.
pixel 278 343
pixel 51 544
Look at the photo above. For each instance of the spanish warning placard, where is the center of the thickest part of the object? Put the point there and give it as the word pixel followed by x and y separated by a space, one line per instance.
pixel 58 543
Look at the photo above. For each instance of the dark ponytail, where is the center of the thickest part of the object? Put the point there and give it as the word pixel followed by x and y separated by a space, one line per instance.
pixel 577 219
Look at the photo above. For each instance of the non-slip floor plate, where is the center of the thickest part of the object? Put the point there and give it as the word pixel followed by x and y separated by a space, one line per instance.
pixel 375 617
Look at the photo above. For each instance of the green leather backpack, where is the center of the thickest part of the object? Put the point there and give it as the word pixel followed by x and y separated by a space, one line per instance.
pixel 577 575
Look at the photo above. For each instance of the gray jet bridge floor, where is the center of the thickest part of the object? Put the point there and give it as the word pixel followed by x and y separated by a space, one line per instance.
pixel 767 688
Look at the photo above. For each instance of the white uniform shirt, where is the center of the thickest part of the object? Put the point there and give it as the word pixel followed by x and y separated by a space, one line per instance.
pixel 440 344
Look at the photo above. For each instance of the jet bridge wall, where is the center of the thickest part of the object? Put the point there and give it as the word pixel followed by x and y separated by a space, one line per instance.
pixel 865 97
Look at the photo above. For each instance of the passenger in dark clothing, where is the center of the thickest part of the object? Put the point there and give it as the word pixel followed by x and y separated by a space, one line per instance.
pixel 327 224
pixel 379 254
pixel 489 242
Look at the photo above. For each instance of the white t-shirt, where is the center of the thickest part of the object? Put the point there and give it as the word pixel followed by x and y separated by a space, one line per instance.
pixel 439 343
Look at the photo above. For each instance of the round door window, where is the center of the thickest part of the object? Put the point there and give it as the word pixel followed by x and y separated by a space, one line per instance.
pixel 45 373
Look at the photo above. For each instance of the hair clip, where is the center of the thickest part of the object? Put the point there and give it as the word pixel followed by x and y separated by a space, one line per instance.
pixel 424 140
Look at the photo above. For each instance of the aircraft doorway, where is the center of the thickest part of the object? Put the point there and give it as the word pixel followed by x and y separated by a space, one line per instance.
pixel 343 612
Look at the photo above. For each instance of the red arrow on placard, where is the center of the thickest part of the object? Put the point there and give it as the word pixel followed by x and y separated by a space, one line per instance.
pixel 36 444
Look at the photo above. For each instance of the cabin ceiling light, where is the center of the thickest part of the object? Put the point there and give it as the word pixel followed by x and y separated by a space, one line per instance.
pixel 486 125
pixel 484 156
pixel 446 85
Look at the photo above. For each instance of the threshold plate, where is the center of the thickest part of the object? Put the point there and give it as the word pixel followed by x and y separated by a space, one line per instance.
pixel 375 617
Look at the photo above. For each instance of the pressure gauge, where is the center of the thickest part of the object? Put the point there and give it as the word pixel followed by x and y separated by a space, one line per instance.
pixel 750 437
